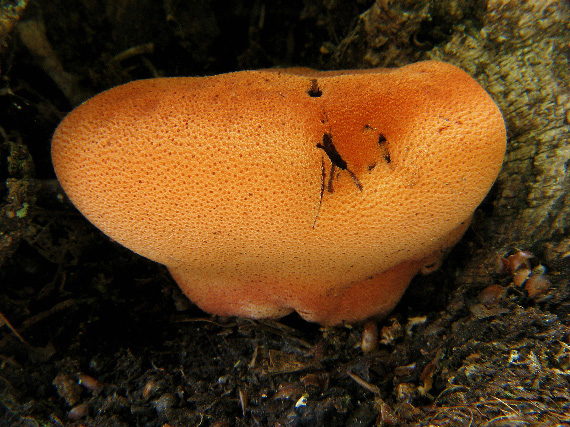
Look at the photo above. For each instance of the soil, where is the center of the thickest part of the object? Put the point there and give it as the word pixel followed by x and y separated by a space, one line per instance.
pixel 92 334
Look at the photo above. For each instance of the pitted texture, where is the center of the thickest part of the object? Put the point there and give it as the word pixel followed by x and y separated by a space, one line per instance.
pixel 271 191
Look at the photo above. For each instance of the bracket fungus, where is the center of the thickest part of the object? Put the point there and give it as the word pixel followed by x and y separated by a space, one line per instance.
pixel 272 191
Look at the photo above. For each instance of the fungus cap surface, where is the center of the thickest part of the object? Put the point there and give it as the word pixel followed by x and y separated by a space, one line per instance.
pixel 270 191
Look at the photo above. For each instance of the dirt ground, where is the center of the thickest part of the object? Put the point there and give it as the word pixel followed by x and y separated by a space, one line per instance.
pixel 92 334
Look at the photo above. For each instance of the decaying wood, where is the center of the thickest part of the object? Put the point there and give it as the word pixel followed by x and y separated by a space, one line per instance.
pixel 521 57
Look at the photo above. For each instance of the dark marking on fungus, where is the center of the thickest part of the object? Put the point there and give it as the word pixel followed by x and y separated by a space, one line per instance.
pixel 355 179
pixel 330 188
pixel 383 144
pixel 328 147
pixel 336 162
pixel 323 177
pixel 314 91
